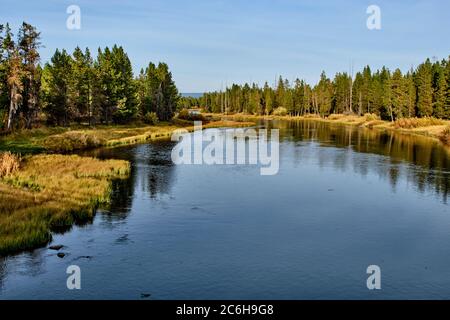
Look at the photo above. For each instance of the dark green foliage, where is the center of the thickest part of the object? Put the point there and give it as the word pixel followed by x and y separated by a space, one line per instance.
pixel 423 92
pixel 151 118
pixel 75 87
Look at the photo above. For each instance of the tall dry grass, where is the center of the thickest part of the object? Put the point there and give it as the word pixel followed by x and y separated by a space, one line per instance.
pixel 52 192
pixel 445 136
pixel 9 163
pixel 72 140
pixel 411 123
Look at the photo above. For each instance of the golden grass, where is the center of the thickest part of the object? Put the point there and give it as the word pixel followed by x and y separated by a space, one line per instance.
pixel 51 192
pixel 430 127
pixel 280 111
pixel 335 116
pixel 445 136
pixel 72 140
pixel 63 140
pixel 9 163
pixel 371 117
pixel 410 123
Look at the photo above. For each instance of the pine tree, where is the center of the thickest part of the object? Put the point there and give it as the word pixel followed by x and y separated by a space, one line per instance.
pixel 358 93
pixel 81 84
pixel 124 91
pixel 439 90
pixel 268 99
pixel 367 90
pixel 4 97
pixel 15 85
pixel 424 89
pixel 399 94
pixel 341 87
pixel 28 45
pixel 411 93
pixel 324 95
pixel 56 89
pixel 447 91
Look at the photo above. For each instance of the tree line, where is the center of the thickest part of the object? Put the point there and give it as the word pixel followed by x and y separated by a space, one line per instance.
pixel 77 87
pixel 420 92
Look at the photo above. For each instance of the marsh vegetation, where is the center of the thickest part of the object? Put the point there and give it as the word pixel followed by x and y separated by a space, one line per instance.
pixel 50 193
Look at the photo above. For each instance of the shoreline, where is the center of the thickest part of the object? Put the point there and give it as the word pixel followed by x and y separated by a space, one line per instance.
pixel 58 140
pixel 33 204
pixel 430 131
pixel 35 201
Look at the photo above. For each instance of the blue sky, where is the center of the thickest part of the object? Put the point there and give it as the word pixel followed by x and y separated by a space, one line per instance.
pixel 210 42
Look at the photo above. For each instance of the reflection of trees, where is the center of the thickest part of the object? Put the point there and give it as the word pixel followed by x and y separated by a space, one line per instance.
pixel 3 272
pixel 122 190
pixel 431 161
pixel 159 169
pixel 151 171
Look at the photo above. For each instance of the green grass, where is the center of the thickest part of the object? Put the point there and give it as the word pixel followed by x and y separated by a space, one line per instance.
pixel 49 193
pixel 27 141
pixel 64 140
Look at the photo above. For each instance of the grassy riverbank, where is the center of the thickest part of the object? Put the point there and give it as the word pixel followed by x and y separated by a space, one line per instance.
pixel 63 140
pixel 41 193
pixel 51 192
pixel 430 127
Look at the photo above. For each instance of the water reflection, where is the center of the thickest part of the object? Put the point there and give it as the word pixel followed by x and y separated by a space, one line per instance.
pixel 399 149
pixel 227 232
pixel 152 172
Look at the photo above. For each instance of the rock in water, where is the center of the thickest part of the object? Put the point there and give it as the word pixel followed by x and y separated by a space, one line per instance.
pixel 56 247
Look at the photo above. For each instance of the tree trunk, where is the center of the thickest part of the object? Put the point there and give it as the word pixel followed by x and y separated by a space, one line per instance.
pixel 12 109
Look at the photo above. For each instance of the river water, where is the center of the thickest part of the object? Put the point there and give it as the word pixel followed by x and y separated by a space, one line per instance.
pixel 344 198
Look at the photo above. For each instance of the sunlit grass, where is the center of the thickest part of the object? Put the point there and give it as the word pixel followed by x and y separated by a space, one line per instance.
pixel 9 163
pixel 410 123
pixel 42 193
pixel 52 192
pixel 64 140
pixel 445 136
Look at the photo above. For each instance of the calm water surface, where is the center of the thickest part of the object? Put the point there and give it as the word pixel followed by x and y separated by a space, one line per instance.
pixel 344 199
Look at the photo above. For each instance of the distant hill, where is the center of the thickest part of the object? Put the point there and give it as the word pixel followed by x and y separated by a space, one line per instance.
pixel 192 94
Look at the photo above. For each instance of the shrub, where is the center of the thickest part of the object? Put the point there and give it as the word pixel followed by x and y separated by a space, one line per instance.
pixel 371 116
pixel 311 115
pixel 151 118
pixel 335 116
pixel 445 136
pixel 280 111
pixel 184 114
pixel 72 140
pixel 9 163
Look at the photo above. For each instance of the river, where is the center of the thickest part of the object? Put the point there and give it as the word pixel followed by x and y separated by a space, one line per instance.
pixel 344 198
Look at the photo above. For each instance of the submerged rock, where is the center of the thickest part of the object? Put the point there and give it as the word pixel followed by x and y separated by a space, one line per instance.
pixel 56 247
pixel 145 295
pixel 61 254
